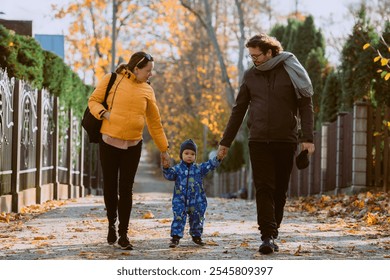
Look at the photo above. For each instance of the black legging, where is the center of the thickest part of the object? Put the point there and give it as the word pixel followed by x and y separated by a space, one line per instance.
pixel 124 163
pixel 271 164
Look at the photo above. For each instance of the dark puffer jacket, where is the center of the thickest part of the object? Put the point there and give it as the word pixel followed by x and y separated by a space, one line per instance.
pixel 273 108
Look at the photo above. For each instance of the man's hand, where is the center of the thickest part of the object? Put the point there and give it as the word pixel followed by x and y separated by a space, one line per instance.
pixel 222 152
pixel 308 146
pixel 165 159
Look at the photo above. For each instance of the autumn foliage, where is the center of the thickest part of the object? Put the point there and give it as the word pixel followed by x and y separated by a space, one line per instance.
pixel 365 209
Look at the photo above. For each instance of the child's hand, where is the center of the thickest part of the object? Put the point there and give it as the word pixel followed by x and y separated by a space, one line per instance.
pixel 165 159
pixel 222 152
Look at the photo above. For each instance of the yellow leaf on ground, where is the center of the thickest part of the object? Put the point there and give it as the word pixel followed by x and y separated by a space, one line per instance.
pixel 366 46
pixel 148 215
pixel 244 244
pixel 41 238
pixel 212 243
pixel 371 219
pixel 377 58
pixel 309 208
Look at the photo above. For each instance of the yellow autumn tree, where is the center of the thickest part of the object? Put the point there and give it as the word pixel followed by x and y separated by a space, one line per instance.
pixel 89 41
pixel 190 83
pixel 190 90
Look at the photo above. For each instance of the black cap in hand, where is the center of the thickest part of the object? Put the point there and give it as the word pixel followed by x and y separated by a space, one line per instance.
pixel 302 160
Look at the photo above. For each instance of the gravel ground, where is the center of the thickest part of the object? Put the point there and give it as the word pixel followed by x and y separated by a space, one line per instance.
pixel 77 230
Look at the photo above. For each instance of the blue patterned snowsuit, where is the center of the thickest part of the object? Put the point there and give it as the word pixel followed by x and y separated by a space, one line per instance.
pixel 189 196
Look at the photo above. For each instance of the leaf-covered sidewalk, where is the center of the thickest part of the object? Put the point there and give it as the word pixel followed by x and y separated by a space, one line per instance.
pixel 315 228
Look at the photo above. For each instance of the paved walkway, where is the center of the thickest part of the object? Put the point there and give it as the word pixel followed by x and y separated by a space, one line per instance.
pixel 77 230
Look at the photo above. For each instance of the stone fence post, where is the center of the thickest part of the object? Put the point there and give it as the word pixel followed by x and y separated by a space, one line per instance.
pixel 359 147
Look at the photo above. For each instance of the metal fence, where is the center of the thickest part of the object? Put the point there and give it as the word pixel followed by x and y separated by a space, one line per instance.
pixel 43 154
pixel 352 154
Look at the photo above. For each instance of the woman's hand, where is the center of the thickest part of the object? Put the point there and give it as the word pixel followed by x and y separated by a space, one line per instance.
pixel 106 115
pixel 165 159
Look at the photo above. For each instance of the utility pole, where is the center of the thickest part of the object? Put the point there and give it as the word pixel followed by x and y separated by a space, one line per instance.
pixel 113 36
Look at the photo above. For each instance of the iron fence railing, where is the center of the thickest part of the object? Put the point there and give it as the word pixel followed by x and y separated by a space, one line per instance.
pixel 42 148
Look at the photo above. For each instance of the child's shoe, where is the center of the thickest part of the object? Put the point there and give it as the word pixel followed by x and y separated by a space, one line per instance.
pixel 174 241
pixel 198 240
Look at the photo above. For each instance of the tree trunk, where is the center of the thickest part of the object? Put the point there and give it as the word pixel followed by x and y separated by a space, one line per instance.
pixel 206 22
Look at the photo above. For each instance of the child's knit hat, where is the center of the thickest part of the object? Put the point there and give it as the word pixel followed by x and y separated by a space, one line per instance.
pixel 187 145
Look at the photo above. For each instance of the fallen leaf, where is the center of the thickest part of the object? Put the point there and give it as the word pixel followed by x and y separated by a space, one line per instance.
pixel 41 238
pixel 43 244
pixel 5 217
pixel 297 252
pixel 371 219
pixel 212 243
pixel 148 215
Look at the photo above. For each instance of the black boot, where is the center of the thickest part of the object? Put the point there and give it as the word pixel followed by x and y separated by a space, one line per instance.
pixel 124 242
pixel 268 246
pixel 111 236
pixel 198 240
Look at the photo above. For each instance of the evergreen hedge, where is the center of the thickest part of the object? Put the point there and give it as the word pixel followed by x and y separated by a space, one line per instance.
pixel 24 59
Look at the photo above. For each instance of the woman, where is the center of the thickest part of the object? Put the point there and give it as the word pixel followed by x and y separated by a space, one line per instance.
pixel 130 101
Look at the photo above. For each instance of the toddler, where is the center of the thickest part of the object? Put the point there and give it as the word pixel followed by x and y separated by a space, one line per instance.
pixel 189 197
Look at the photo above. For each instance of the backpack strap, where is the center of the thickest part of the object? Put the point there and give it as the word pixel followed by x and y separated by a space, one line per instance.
pixel 109 86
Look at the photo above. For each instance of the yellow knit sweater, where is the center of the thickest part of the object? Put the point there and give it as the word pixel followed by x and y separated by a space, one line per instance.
pixel 129 103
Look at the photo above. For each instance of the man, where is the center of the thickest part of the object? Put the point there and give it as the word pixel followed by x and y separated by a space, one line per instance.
pixel 276 89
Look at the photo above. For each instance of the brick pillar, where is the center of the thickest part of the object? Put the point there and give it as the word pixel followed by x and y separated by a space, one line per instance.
pixel 324 156
pixel 359 147
pixel 339 151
